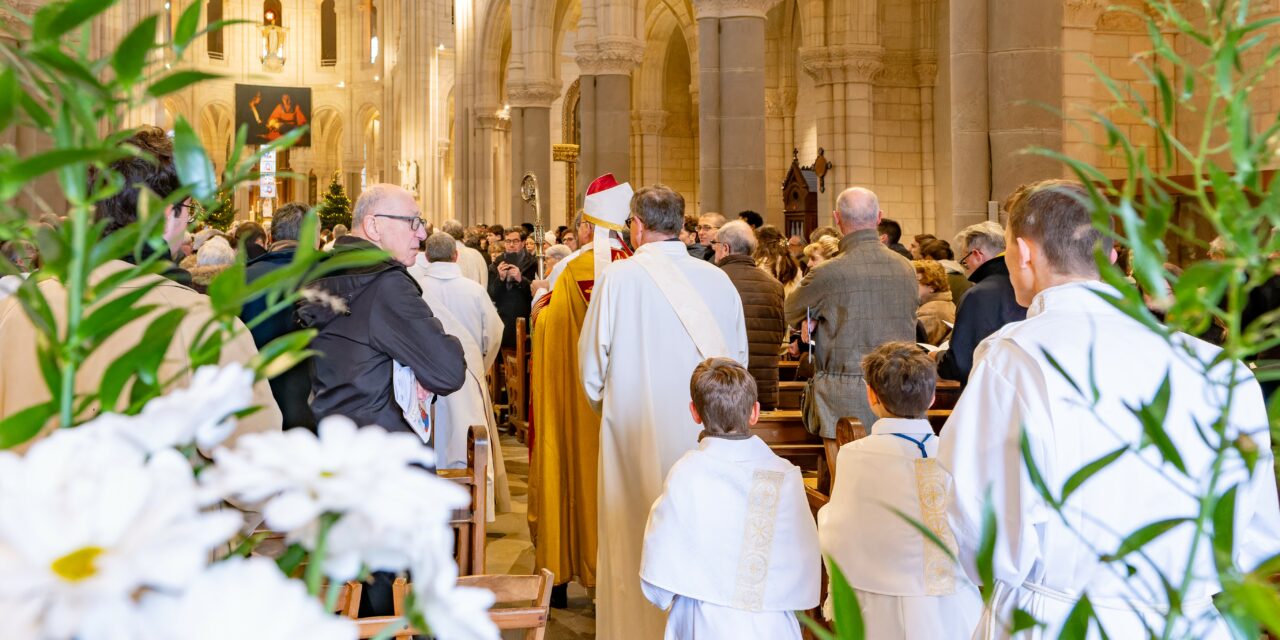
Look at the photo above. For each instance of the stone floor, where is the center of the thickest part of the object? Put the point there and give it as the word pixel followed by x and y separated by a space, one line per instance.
pixel 510 552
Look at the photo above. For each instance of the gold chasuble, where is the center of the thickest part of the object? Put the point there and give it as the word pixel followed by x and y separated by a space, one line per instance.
pixel 566 435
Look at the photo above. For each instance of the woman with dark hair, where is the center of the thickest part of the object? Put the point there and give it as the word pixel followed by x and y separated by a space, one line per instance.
pixel 773 256
pixel 940 251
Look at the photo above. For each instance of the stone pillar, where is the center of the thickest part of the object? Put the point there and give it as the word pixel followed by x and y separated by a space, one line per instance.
pixel 1024 43
pixel 731 78
pixel 651 126
pixel 531 142
pixel 605 106
pixel 926 69
pixel 481 178
pixel 844 77
pixel 966 181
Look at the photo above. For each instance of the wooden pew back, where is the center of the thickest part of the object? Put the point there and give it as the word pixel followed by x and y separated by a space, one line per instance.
pixel 470 524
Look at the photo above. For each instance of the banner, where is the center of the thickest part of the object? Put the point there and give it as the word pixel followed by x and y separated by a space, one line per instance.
pixel 271 112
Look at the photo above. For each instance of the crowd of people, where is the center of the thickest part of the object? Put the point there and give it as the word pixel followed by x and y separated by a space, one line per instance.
pixel 655 342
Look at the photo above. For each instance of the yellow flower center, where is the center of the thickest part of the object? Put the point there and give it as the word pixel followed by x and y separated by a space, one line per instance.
pixel 78 564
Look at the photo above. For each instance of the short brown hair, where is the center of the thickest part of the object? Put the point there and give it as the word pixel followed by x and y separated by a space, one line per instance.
pixel 936 249
pixel 1055 214
pixel 724 393
pixel 153 169
pixel 903 377
pixel 931 274
pixel 660 208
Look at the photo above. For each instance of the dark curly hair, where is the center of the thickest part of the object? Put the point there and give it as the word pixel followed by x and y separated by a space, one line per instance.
pixel 156 173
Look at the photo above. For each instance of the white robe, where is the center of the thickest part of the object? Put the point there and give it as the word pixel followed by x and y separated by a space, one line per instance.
pixel 731 547
pixel 471 263
pixel 636 359
pixel 1040 564
pixel 907 587
pixel 467 313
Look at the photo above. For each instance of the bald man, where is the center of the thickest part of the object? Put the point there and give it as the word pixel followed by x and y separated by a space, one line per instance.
pixel 861 299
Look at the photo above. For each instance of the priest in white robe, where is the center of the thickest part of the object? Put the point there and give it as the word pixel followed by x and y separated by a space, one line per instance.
pixel 908 587
pixel 467 313
pixel 1035 379
pixel 731 550
pixel 652 319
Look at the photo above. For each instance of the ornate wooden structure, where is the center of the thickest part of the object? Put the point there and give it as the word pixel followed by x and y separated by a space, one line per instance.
pixel 800 199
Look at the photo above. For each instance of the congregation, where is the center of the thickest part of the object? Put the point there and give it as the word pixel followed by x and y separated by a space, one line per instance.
pixel 656 341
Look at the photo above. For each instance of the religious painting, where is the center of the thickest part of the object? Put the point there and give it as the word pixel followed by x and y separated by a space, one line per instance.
pixel 271 112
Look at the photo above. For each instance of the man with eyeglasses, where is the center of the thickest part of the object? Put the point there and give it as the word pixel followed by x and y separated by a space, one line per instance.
pixel 708 226
pixel 987 305
pixel 510 278
pixel 373 316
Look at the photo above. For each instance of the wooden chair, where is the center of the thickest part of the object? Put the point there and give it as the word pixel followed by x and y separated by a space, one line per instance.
pixel 531 596
pixel 348 604
pixel 470 523
pixel 515 369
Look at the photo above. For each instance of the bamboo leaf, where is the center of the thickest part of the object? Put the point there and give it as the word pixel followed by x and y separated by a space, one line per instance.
pixel 177 81
pixel 283 353
pixel 24 425
pixel 194 168
pixel 1089 470
pixel 1224 518
pixel 1143 536
pixel 929 535
pixel 185 29
pixel 848 615
pixel 986 548
pixel 1053 362
pixel 130 58
pixel 142 360
pixel 71 15
pixel 1152 416
pixel 1033 471
pixel 8 97
pixel 1022 621
pixel 1077 623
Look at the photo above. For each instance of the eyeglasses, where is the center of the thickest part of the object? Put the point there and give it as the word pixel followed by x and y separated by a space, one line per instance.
pixel 707 227
pixel 966 257
pixel 630 219
pixel 715 243
pixel 415 222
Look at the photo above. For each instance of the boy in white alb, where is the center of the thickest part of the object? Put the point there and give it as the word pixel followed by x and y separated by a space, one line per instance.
pixel 731 549
pixel 907 586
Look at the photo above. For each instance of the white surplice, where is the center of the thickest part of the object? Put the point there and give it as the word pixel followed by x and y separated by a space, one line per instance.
pixel 1040 564
pixel 636 358
pixel 471 263
pixel 731 547
pixel 467 313
pixel 907 587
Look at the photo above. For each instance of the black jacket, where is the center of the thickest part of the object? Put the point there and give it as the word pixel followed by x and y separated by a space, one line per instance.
pixel 292 389
pixel 512 299
pixel 988 305
pixel 386 319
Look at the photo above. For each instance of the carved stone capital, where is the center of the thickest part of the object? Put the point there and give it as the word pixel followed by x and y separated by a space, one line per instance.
pixel 652 122
pixel 843 63
pixel 609 55
pixel 926 68
pixel 1082 14
pixel 732 8
pixel 773 103
pixel 787 98
pixel 539 93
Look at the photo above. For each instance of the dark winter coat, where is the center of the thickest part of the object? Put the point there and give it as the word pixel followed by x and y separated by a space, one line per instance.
pixel 385 320
pixel 292 389
pixel 762 299
pixel 988 305
pixel 512 299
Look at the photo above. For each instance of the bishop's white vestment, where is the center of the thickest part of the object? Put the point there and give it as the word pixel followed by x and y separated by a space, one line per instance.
pixel 637 353
pixel 1041 563
pixel 731 549
pixel 467 313
pixel 907 586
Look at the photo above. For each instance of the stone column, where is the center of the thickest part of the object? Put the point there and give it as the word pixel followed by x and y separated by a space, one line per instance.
pixel 1024 43
pixel 1080 18
pixel 605 106
pixel 844 76
pixel 926 69
pixel 482 177
pixel 651 125
pixel 531 141
pixel 731 78
pixel 966 179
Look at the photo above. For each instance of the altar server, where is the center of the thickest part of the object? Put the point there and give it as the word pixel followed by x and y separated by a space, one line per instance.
pixel 653 318
pixel 1068 380
pixel 731 550
pixel 907 586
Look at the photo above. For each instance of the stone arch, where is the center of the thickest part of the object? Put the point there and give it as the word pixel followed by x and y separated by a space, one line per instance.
pixel 495 50
pixel 326 136
pixel 216 128
pixel 371 143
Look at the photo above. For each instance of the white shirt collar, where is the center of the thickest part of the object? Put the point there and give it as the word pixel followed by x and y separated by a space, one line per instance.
pixel 1073 296
pixel 752 448
pixel 670 248
pixel 908 426
pixel 443 270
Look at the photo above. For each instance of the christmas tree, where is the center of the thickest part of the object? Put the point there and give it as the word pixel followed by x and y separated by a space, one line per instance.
pixel 335 207
pixel 221 215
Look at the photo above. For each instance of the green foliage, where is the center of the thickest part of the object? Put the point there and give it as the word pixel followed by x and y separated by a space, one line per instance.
pixel 220 215
pixel 335 207
pixel 52 86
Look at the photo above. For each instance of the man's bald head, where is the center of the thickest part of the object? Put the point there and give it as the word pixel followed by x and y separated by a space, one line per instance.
pixel 857 209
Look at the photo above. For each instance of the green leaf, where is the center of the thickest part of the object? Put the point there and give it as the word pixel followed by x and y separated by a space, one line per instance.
pixel 986 548
pixel 130 58
pixel 1033 470
pixel 108 317
pixel 1152 416
pixel 141 361
pixel 1260 600
pixel 192 163
pixel 848 615
pixel 1053 362
pixel 17 177
pixel 1224 519
pixel 1023 621
pixel 24 425
pixel 291 559
pixel 283 353
pixel 72 15
pixel 1084 473
pixel 929 536
pixel 1144 535
pixel 185 30
pixel 9 92
pixel 1076 625
pixel 177 81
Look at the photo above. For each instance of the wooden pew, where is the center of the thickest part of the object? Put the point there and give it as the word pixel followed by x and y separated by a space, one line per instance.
pixel 470 524
pixel 530 595
pixel 789 394
pixel 947 394
pixel 937 418
pixel 515 372
pixel 784 432
pixel 787 370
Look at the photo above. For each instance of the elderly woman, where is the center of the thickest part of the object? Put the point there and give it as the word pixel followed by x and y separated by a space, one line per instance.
pixel 937 312
pixel 213 257
pixel 825 248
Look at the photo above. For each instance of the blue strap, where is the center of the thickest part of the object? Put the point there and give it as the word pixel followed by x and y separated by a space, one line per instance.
pixel 918 443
